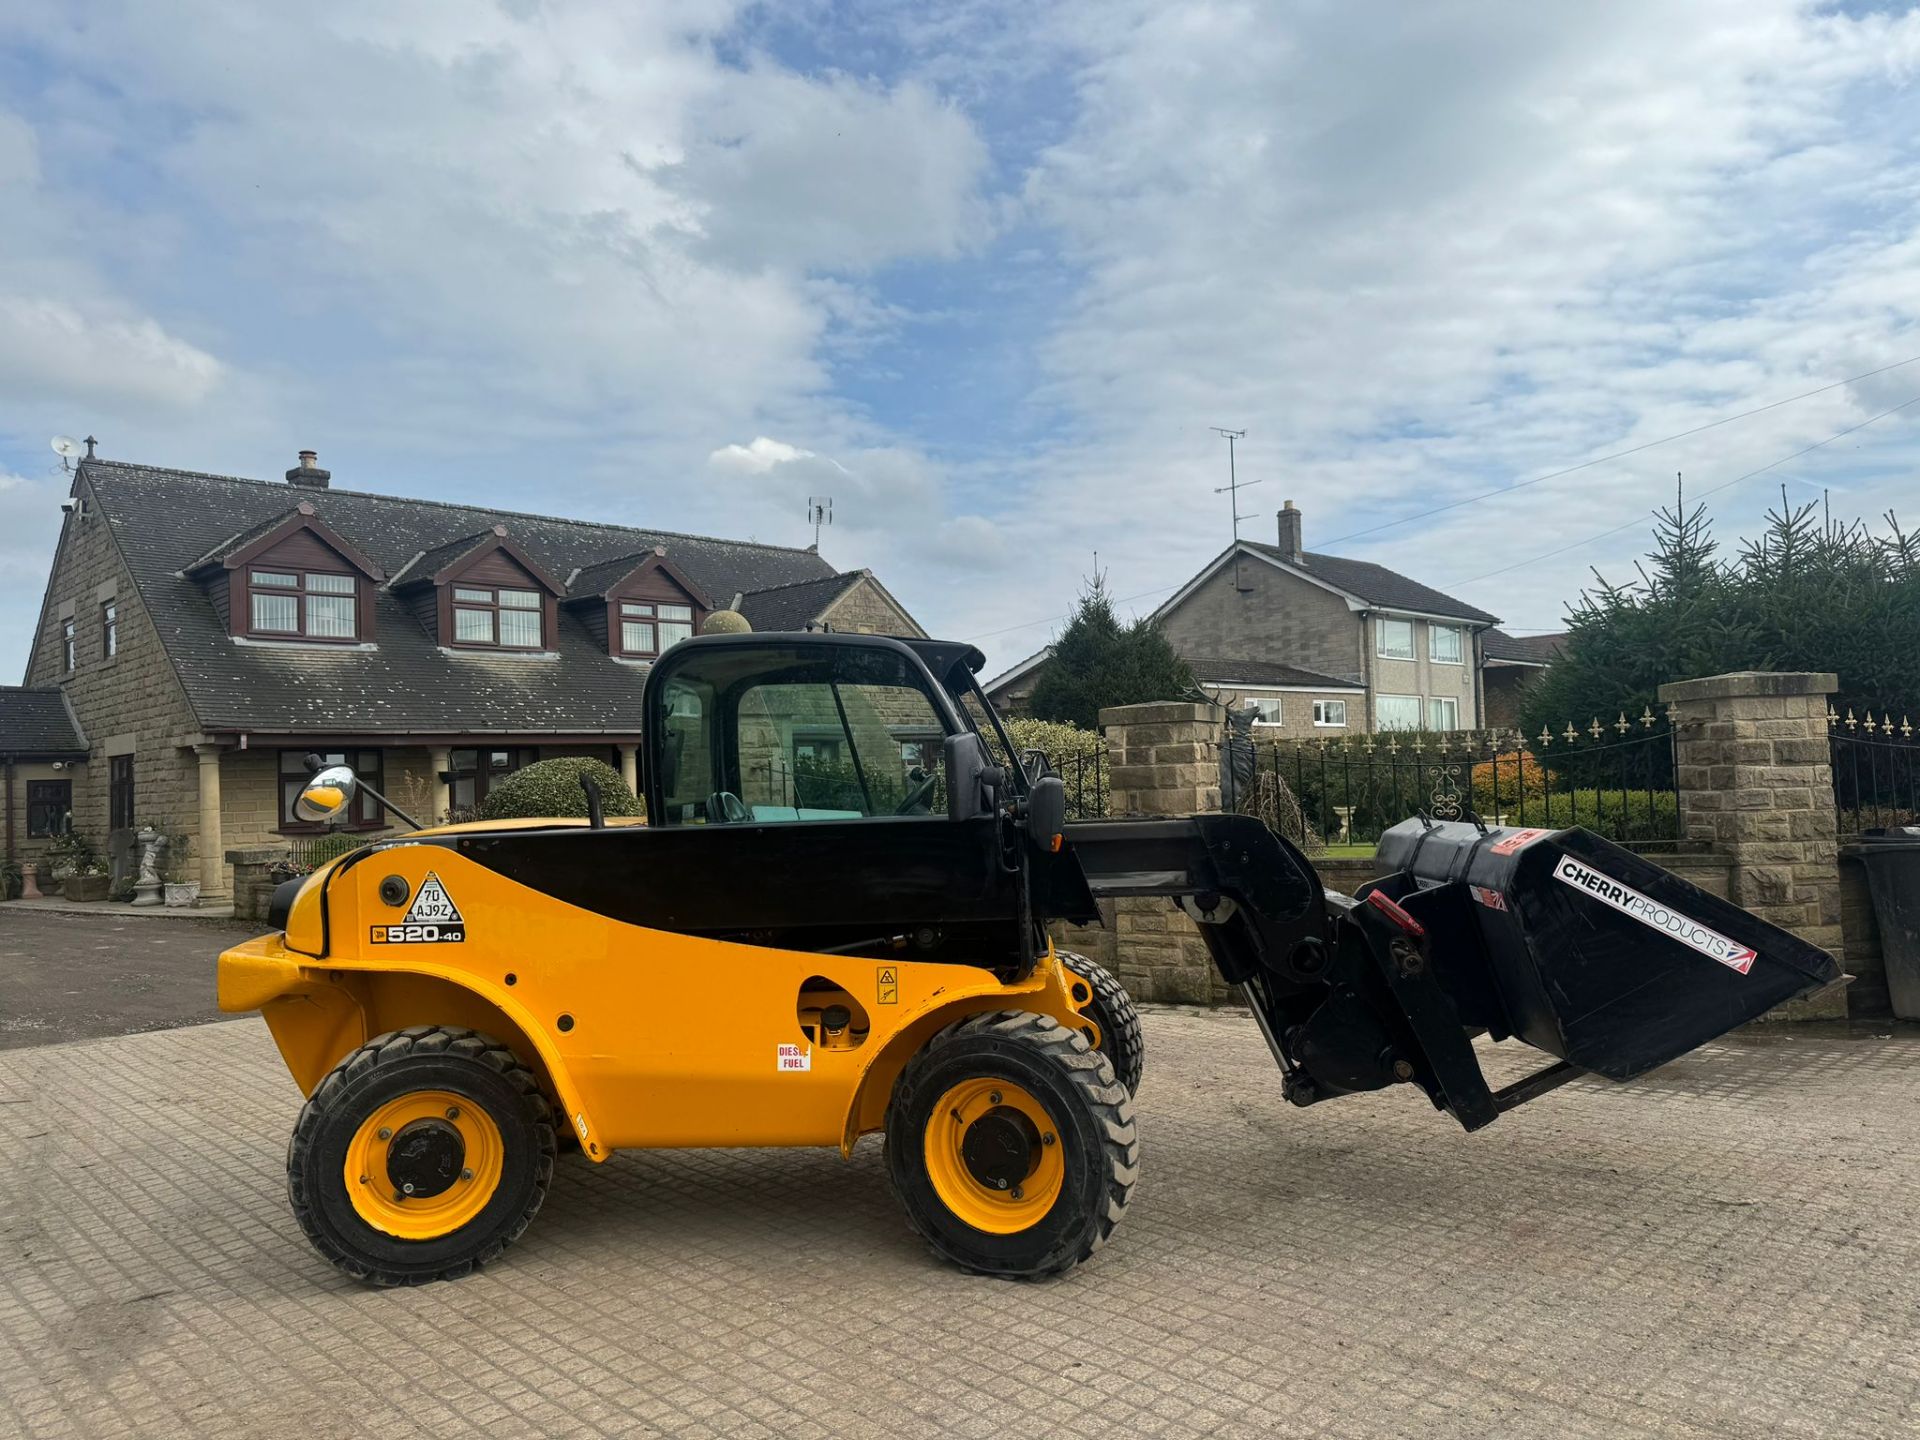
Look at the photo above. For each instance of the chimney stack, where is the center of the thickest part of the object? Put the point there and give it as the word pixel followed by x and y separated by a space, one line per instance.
pixel 308 474
pixel 1290 545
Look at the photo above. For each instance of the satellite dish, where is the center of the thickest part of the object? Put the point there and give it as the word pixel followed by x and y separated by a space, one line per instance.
pixel 66 447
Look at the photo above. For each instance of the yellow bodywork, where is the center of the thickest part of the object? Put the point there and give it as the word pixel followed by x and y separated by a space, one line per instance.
pixel 645 1038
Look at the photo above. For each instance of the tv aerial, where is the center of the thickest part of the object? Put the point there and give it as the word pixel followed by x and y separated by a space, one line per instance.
pixel 819 512
pixel 68 449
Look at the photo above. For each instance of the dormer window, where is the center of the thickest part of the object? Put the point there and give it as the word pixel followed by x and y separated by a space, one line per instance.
pixel 307 604
pixel 291 580
pixel 637 605
pixel 497 615
pixel 648 627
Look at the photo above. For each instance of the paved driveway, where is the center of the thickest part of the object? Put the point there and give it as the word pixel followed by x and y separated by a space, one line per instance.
pixel 1725 1249
pixel 67 977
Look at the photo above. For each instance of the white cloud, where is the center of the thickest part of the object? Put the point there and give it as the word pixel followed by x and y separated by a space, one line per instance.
pixel 892 508
pixel 1481 242
pixel 52 349
pixel 758 456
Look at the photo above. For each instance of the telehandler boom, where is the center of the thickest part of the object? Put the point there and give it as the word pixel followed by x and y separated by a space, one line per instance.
pixel 834 923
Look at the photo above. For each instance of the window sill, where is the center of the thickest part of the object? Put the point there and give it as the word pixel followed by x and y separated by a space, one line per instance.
pixel 497 652
pixel 298 642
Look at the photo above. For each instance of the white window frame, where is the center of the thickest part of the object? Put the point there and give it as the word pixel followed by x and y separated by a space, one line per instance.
pixel 1434 705
pixel 1434 632
pixel 1419 712
pixel 1383 626
pixel 1260 722
pixel 1321 709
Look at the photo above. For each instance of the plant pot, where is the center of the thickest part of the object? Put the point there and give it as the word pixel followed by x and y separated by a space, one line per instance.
pixel 180 896
pixel 86 887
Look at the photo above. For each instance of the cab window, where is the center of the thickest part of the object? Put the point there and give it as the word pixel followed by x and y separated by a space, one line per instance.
pixel 799 733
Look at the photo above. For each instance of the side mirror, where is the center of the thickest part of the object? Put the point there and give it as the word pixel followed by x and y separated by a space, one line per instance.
pixel 327 797
pixel 1047 813
pixel 973 780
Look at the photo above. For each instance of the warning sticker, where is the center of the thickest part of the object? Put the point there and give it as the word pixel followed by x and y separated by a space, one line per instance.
pixel 1492 899
pixel 888 985
pixel 1655 916
pixel 432 919
pixel 1516 842
pixel 793 1057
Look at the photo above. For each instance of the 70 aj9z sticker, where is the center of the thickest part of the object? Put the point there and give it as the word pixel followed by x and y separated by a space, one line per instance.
pixel 1655 916
pixel 432 919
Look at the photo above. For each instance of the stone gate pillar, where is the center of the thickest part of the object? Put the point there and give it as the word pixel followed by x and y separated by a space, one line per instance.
pixel 1754 772
pixel 1163 759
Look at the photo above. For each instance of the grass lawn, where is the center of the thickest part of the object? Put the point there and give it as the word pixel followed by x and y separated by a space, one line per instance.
pixel 1348 852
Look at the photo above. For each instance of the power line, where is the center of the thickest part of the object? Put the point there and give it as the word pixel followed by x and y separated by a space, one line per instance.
pixel 1616 455
pixel 1714 490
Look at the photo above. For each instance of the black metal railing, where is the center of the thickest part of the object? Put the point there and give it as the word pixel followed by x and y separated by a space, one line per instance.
pixel 309 852
pixel 1615 779
pixel 1876 771
pixel 1085 776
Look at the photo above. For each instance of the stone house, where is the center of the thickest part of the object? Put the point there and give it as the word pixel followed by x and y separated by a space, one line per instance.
pixel 1317 644
pixel 1514 662
pixel 201 634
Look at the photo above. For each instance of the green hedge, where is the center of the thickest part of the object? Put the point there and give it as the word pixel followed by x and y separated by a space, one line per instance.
pixel 552 788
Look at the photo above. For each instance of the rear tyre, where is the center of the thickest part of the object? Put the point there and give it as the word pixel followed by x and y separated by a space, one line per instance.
pixel 421 1156
pixel 1111 1008
pixel 1011 1145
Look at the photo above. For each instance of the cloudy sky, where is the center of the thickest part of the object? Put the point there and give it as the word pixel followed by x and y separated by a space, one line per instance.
pixel 985 272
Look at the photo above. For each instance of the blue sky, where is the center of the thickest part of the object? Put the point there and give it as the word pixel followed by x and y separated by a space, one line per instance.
pixel 986 272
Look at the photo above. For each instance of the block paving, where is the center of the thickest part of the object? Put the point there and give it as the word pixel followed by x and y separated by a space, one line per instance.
pixel 1726 1248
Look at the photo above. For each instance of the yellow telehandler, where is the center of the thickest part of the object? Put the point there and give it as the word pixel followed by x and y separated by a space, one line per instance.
pixel 833 924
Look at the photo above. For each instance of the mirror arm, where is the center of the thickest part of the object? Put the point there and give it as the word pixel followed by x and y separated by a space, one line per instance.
pixel 398 813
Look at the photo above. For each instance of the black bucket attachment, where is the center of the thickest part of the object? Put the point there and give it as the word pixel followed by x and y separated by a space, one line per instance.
pixel 1586 950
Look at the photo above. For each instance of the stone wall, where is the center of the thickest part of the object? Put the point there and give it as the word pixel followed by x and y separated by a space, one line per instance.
pixel 1255 609
pixel 131 704
pixel 866 609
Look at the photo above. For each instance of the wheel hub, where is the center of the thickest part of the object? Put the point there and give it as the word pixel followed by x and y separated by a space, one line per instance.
pixel 998 1148
pixel 424 1158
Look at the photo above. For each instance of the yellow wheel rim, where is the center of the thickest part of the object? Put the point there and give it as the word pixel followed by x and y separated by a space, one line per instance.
pixel 443 1145
pixel 994 1156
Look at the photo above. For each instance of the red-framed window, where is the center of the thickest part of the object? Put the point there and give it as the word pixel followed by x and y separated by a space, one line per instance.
pixel 368 813
pixel 649 627
pixel 302 604
pixel 474 772
pixel 499 616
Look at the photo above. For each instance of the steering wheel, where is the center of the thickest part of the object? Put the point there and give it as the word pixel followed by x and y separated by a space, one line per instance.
pixel 922 788
pixel 727 807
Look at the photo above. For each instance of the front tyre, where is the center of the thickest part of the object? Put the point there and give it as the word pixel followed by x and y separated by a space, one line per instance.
pixel 421 1156
pixel 1110 1007
pixel 1011 1145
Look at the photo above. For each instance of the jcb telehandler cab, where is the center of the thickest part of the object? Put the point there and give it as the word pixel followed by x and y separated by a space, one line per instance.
pixel 833 923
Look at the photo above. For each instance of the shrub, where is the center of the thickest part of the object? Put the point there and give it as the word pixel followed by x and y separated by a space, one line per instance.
pixel 552 787
pixel 1056 738
pixel 1509 780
